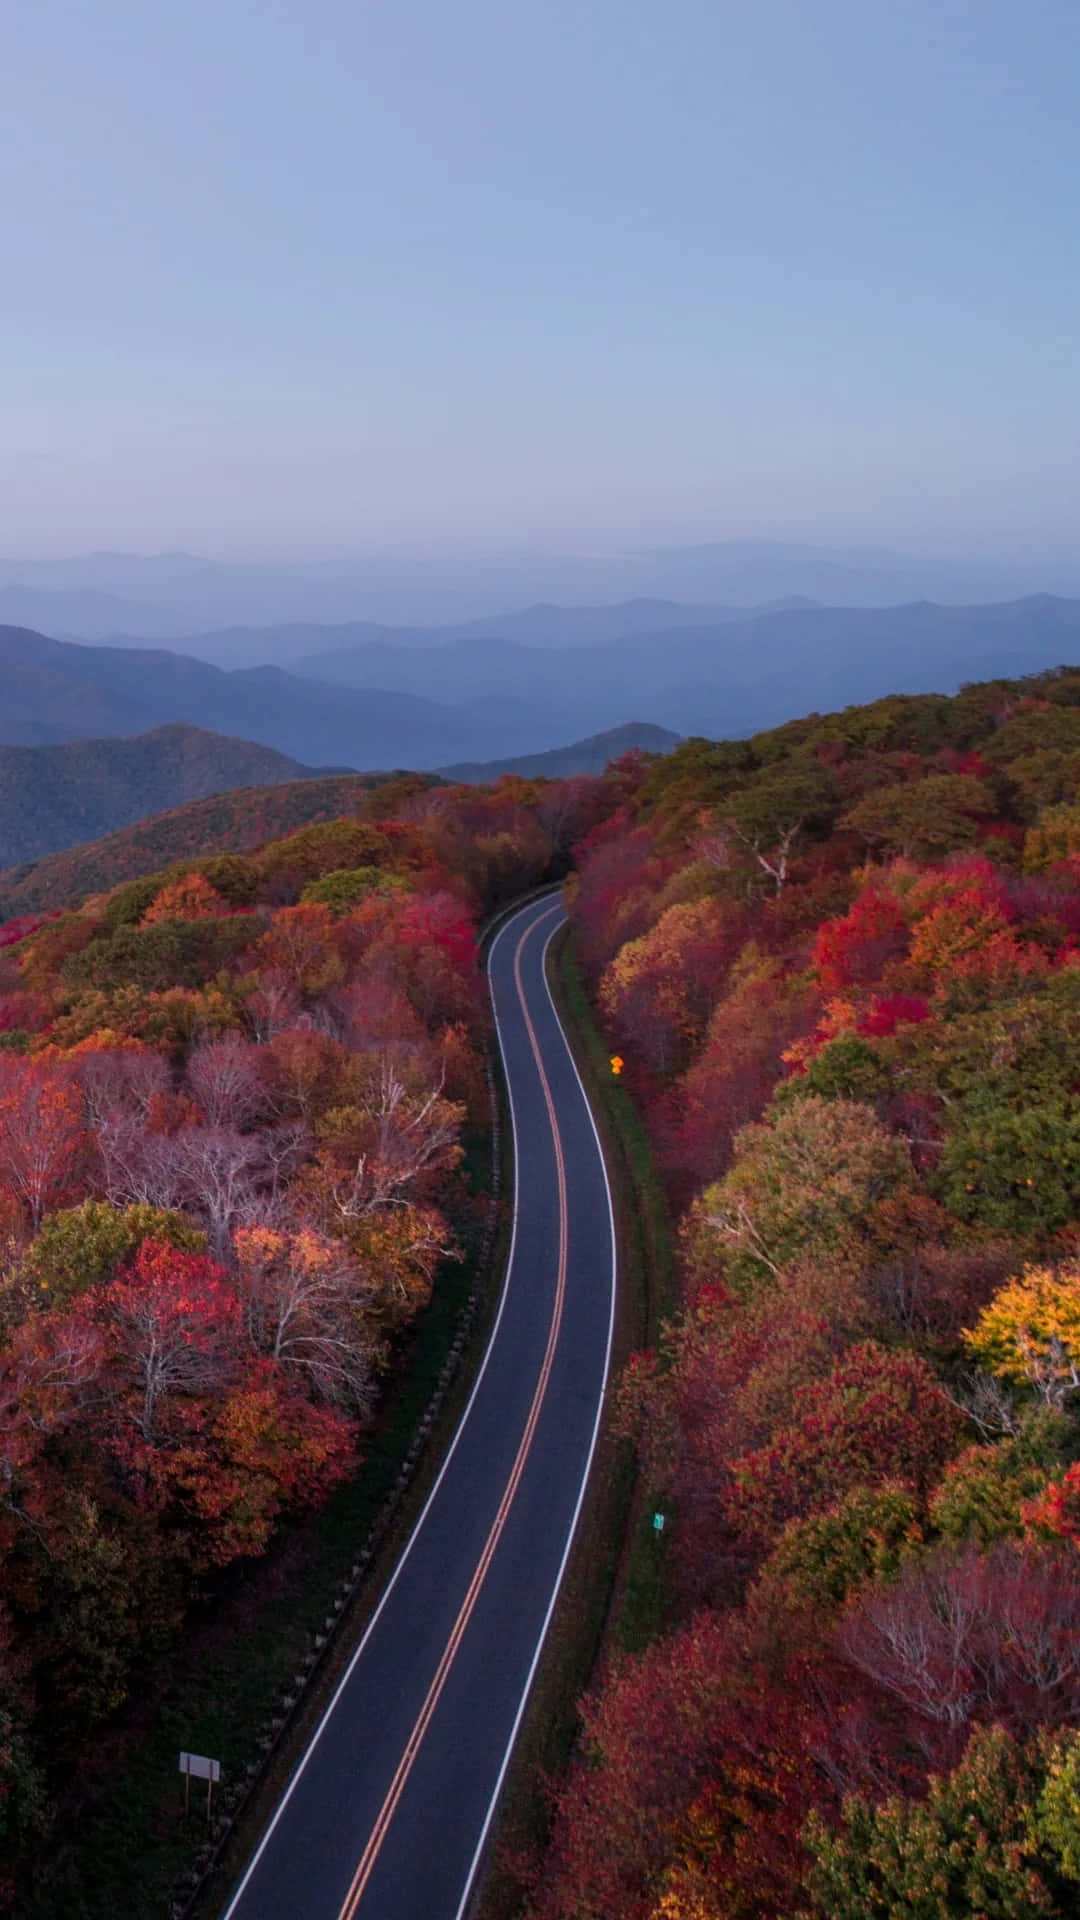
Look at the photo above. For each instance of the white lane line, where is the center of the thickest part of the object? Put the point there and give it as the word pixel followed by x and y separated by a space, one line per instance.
pixel 399 1784
pixel 411 1542
pixel 531 1675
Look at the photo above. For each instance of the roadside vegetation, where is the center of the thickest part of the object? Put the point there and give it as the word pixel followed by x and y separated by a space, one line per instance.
pixel 633 1549
pixel 236 1103
pixel 841 962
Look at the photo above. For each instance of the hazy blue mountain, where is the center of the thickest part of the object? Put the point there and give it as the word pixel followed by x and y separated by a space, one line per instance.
pixel 734 675
pixel 310 647
pixel 584 756
pixel 172 596
pixel 295 642
pixel 85 613
pixel 55 797
pixel 469 699
pixel 53 690
pixel 462 669
pixel 752 573
pixel 545 625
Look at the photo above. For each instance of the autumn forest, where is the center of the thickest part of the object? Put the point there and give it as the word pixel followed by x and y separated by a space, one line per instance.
pixel 841 961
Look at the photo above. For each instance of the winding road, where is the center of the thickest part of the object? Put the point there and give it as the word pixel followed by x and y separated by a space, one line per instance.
pixel 388 1813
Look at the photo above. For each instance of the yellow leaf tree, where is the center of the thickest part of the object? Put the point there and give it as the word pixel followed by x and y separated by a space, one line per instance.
pixel 1029 1335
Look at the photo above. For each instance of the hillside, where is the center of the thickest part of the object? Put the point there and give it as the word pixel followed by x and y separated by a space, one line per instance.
pixel 226 822
pixel 841 963
pixel 54 797
pixel 229 820
pixel 224 1092
pixel 584 756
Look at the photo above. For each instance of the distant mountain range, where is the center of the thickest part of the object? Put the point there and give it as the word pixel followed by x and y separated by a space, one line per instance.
pixel 170 596
pixel 542 625
pixel 53 797
pixel 399 700
pixel 55 690
pixel 585 756
pixel 725 677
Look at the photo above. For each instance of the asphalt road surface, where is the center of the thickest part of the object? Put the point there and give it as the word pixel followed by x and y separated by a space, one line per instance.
pixel 389 1812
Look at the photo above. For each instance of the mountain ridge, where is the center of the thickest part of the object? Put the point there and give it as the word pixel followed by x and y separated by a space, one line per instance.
pixel 52 797
pixel 56 690
pixel 737 674
pixel 474 697
pixel 180 593
pixel 591 755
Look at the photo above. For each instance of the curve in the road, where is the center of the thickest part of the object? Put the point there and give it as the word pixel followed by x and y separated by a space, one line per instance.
pixel 389 1811
pixel 405 1765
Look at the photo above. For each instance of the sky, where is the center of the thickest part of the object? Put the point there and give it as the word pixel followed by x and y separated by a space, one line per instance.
pixel 299 277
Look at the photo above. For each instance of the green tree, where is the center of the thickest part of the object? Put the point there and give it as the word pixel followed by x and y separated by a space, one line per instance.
pixel 819 1561
pixel 81 1247
pixel 983 1491
pixel 848 1068
pixel 1059 1806
pixel 127 904
pixel 1013 1169
pixel 171 953
pixel 921 819
pixel 286 866
pixel 770 815
pixel 346 887
pixel 231 875
pixel 1055 836
pixel 1044 729
pixel 803 1185
pixel 995 1839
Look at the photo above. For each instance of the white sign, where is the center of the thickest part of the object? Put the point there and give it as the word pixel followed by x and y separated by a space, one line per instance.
pixel 198 1767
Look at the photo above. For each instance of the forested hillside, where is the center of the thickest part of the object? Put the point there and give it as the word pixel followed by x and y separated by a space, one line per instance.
pixel 842 962
pixel 233 822
pixel 53 797
pixel 234 1096
pixel 78 799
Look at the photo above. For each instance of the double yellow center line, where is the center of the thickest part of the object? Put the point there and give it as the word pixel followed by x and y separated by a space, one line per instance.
pixel 389 1807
